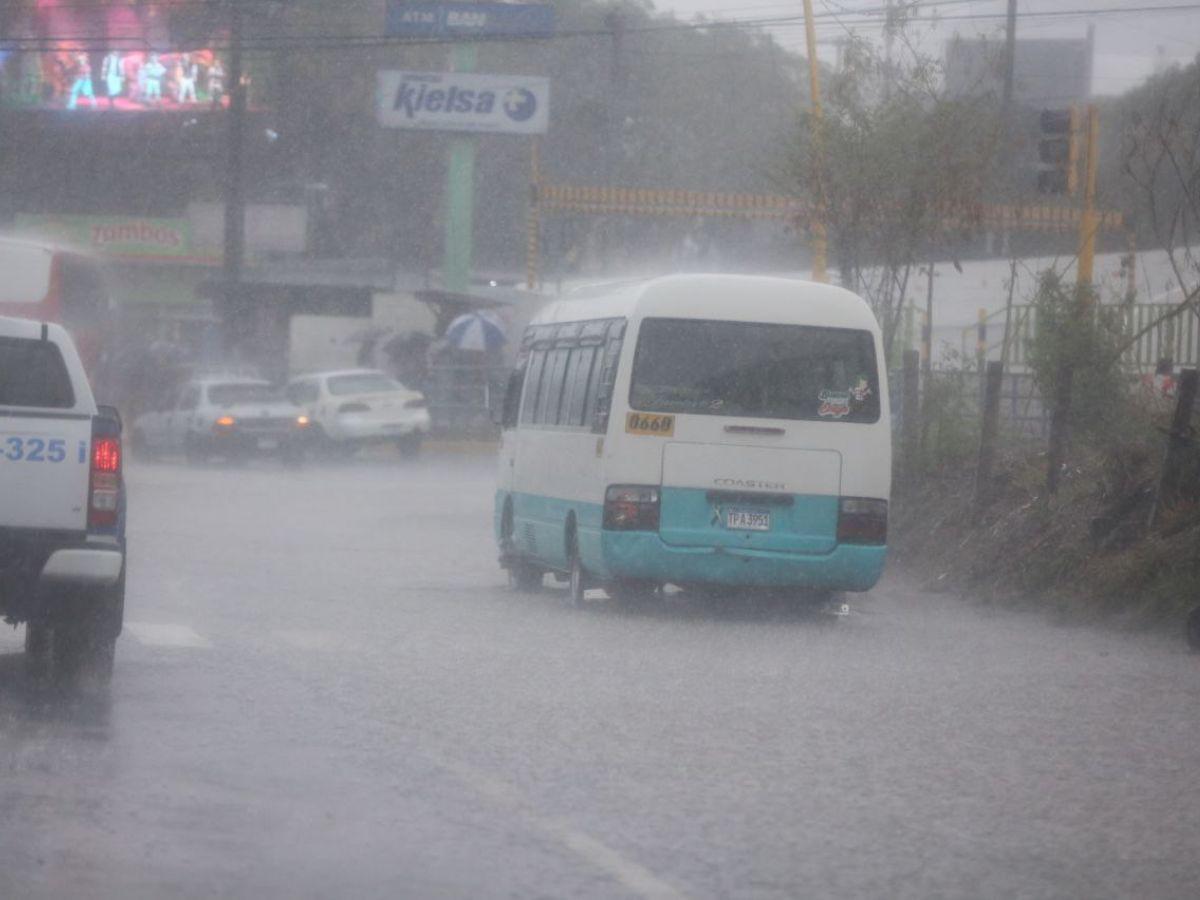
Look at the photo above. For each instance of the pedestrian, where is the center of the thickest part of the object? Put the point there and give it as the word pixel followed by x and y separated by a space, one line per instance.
pixel 113 76
pixel 153 72
pixel 185 78
pixel 216 82
pixel 82 85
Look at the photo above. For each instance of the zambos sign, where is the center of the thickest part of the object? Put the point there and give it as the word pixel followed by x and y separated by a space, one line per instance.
pixel 116 236
pixel 449 101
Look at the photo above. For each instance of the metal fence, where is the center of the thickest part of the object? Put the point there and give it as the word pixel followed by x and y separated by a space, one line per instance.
pixel 1176 339
pixel 959 392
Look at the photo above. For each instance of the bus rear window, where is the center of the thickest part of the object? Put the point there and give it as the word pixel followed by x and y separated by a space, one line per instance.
pixel 32 373
pixel 755 370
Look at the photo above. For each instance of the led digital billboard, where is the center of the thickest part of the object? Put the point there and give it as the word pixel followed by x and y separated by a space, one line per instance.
pixel 118 56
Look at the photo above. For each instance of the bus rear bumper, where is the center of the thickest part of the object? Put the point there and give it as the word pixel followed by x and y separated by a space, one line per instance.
pixel 643 555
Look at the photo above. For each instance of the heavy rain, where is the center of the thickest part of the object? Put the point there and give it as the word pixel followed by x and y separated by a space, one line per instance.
pixel 599 449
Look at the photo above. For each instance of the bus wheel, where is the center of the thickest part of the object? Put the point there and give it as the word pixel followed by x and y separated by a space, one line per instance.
pixel 523 576
pixel 577 578
pixel 634 594
pixel 1193 629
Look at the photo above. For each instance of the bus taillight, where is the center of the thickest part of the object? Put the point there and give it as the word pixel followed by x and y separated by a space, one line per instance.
pixel 631 507
pixel 862 521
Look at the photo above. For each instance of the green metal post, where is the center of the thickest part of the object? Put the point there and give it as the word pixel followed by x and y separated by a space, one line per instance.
pixel 460 193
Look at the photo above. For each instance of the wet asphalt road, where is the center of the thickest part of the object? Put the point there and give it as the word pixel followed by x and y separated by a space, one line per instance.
pixel 325 689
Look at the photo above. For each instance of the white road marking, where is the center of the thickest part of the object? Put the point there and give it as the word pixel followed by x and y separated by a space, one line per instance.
pixel 155 634
pixel 636 878
pixel 309 640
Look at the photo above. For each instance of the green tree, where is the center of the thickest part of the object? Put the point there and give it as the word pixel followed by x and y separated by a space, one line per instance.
pixel 903 172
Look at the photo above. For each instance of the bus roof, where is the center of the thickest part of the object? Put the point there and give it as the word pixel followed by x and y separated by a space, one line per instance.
pixel 26 268
pixel 751 298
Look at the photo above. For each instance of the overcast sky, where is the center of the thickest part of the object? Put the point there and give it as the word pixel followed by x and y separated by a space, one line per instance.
pixel 1129 36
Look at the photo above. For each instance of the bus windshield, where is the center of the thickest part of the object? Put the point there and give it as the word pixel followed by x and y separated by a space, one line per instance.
pixel 754 369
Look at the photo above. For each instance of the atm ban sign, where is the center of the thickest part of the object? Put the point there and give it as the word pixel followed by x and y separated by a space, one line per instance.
pixel 649 423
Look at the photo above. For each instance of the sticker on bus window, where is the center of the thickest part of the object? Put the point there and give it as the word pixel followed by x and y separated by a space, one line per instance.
pixel 834 404
pixel 861 390
pixel 649 423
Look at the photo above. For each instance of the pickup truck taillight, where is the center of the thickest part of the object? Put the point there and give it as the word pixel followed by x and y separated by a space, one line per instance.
pixel 105 485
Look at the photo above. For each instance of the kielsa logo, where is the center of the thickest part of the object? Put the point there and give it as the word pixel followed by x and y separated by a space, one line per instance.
pixel 147 233
pixel 416 97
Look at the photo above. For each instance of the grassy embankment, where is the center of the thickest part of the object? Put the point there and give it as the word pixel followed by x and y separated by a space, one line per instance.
pixel 1086 553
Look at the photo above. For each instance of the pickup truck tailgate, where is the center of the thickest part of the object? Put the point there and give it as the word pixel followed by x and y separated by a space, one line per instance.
pixel 44 470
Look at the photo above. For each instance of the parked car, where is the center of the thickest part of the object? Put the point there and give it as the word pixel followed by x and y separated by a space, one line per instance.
pixel 224 416
pixel 353 407
pixel 62 505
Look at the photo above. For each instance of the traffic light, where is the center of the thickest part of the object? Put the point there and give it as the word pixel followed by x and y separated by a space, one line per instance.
pixel 1057 152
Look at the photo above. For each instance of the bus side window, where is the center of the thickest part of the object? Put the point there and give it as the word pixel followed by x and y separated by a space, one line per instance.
pixel 604 376
pixel 533 381
pixel 550 396
pixel 512 396
pixel 579 376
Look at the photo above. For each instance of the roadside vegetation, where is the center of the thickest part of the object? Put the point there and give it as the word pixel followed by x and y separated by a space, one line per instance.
pixel 1103 522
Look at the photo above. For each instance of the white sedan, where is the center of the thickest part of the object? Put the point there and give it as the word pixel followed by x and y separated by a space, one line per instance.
pixel 353 407
pixel 224 416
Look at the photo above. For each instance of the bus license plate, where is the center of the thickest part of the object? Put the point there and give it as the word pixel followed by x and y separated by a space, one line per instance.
pixel 268 444
pixel 747 520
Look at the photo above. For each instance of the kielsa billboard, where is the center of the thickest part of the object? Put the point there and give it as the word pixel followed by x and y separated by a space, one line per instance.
pixel 114 56
pixel 451 101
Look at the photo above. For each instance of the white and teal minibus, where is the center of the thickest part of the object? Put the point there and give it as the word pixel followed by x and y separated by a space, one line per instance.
pixel 697 430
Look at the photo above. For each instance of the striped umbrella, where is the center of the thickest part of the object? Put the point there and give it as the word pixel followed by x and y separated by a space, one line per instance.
pixel 481 331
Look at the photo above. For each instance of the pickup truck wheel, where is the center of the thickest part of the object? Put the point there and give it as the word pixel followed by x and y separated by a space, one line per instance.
pixel 84 646
pixel 83 653
pixel 37 649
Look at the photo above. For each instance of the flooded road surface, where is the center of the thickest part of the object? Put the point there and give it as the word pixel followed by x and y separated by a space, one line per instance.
pixel 326 689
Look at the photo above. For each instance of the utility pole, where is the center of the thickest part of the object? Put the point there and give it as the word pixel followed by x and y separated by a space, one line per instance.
pixel 927 331
pixel 1083 287
pixel 818 148
pixel 534 222
pixel 460 193
pixel 235 309
pixel 889 38
pixel 1010 53
pixel 1087 218
pixel 611 232
pixel 927 361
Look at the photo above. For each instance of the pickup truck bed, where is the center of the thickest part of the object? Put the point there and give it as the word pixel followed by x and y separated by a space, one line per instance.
pixel 62 515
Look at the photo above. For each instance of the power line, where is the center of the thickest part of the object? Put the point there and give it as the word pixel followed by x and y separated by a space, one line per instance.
pixel 328 41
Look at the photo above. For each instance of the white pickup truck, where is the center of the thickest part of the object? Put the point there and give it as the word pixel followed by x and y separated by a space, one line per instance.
pixel 62 504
